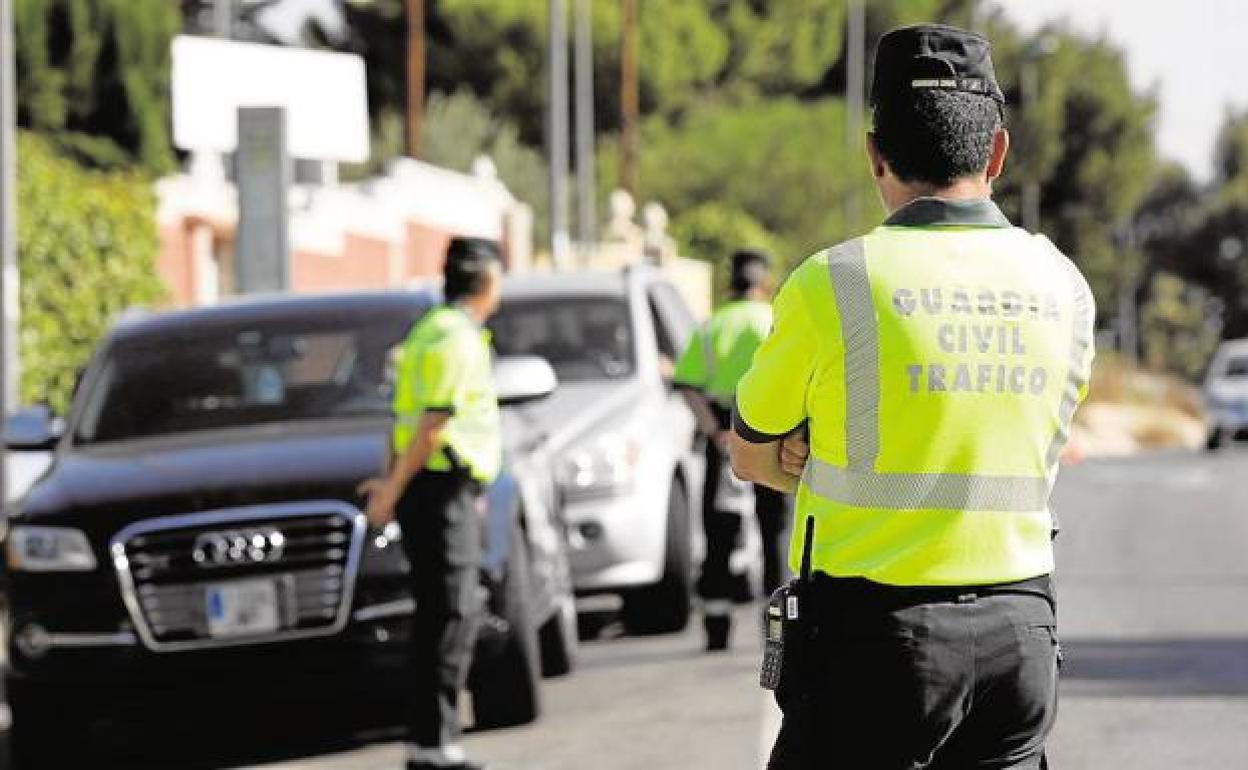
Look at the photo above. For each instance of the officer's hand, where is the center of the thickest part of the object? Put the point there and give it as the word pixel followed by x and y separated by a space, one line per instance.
pixel 722 439
pixel 793 453
pixel 381 500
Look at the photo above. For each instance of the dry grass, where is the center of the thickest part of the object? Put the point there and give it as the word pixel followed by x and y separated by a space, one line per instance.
pixel 1163 428
pixel 1130 410
pixel 1115 381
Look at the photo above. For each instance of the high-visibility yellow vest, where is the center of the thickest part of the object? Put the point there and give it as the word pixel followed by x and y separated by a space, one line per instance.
pixel 720 352
pixel 939 361
pixel 445 366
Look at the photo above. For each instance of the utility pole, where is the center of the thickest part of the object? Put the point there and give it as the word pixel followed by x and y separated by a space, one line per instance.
pixel 1128 287
pixel 8 228
pixel 630 99
pixel 586 208
pixel 557 128
pixel 415 74
pixel 1029 94
pixel 223 18
pixel 855 97
pixel 262 255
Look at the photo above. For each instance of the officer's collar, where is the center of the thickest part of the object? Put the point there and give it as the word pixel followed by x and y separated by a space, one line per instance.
pixel 936 212
pixel 462 311
pixel 485 333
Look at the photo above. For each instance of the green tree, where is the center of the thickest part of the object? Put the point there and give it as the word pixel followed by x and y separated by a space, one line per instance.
pixel 1087 138
pixel 688 50
pixel 712 231
pixel 458 129
pixel 783 162
pixel 1210 247
pixel 1180 326
pixel 87 248
pixel 95 75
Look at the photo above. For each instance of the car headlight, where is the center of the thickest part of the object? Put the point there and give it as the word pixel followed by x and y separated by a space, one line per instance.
pixel 602 466
pixel 49 549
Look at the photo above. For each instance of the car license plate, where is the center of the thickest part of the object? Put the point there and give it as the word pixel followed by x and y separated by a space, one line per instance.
pixel 242 608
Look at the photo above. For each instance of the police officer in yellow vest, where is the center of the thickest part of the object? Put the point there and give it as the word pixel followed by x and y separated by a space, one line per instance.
pixel 708 371
pixel 446 449
pixel 938 361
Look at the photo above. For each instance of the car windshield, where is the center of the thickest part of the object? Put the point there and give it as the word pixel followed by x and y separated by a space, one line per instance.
pixel 583 338
pixel 275 371
pixel 1237 367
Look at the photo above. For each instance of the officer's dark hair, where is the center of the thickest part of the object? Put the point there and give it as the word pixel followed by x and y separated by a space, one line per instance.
pixel 750 268
pixel 936 136
pixel 468 263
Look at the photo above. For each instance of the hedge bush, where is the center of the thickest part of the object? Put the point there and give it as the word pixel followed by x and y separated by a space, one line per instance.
pixel 87 245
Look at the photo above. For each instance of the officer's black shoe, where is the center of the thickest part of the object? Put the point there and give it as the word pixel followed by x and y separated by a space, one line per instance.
pixel 718 631
pixel 465 765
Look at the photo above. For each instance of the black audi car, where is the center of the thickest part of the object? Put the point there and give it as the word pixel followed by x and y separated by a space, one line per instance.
pixel 197 545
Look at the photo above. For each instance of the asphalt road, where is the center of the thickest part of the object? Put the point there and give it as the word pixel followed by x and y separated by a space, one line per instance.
pixel 1153 581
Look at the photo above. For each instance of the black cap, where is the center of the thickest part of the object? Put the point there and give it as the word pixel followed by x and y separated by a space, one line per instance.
pixel 749 269
pixel 933 56
pixel 467 260
pixel 462 249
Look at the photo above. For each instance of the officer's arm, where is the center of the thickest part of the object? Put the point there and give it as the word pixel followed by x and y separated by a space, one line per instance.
pixel 701 411
pixel 771 397
pixel 442 373
pixel 760 463
pixel 690 376
pixel 427 439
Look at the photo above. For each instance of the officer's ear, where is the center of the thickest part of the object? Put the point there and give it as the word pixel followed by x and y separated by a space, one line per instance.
pixel 1000 148
pixel 878 167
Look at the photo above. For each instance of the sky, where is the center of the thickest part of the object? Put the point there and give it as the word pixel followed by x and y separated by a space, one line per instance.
pixel 1192 51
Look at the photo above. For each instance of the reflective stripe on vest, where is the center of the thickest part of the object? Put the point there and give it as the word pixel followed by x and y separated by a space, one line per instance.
pixel 858 484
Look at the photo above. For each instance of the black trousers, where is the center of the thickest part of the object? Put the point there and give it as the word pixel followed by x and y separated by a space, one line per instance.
pixel 921 679
pixel 442 540
pixel 724 530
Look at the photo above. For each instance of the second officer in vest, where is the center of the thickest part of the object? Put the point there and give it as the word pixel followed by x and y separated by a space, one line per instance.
pixel 938 360
pixel 447 447
pixel 708 371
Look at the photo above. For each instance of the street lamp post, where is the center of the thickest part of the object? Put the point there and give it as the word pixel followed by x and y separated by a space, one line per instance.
pixel 8 226
pixel 557 132
pixel 1029 92
pixel 586 219
pixel 855 97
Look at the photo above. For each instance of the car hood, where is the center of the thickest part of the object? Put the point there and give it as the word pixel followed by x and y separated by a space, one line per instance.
pixel 213 470
pixel 578 408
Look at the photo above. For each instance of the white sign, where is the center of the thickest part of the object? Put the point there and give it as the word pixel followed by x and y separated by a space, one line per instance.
pixel 323 93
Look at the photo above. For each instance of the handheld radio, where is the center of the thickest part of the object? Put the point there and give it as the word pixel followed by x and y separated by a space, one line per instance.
pixel 783 620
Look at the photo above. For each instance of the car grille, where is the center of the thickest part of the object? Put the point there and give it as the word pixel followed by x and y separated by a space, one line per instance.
pixel 309 552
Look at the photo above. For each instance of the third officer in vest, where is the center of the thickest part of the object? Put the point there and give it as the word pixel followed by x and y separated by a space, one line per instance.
pixel 708 371
pixel 938 361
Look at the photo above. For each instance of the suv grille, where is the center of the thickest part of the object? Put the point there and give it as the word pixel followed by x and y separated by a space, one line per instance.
pixel 304 555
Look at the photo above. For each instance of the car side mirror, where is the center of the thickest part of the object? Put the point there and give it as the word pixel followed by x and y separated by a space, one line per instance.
pixel 33 429
pixel 520 379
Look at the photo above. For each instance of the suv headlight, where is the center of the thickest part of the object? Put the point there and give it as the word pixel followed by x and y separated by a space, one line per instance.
pixel 601 466
pixel 49 549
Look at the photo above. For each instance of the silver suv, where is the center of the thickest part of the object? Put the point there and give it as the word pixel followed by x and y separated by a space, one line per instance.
pixel 1226 393
pixel 628 473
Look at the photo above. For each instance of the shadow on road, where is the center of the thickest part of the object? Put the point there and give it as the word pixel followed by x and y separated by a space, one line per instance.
pixel 1216 667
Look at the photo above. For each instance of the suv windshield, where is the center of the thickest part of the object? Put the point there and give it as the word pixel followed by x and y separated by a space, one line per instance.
pixel 583 338
pixel 226 377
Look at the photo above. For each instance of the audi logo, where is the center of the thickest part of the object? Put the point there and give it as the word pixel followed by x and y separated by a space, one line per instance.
pixel 255 545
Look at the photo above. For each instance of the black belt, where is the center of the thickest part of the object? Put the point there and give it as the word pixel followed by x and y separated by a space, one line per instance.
pixel 856 590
